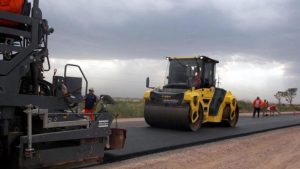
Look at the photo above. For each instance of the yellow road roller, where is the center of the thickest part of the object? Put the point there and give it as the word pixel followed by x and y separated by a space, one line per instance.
pixel 190 97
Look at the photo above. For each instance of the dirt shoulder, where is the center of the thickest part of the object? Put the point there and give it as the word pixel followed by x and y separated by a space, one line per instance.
pixel 276 149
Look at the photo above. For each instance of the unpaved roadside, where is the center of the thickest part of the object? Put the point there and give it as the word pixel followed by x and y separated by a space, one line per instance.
pixel 271 150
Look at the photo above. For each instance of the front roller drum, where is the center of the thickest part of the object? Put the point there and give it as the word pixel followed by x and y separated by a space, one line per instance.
pixel 175 117
pixel 231 116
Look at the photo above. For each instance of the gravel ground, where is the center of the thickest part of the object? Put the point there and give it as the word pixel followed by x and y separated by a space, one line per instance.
pixel 271 150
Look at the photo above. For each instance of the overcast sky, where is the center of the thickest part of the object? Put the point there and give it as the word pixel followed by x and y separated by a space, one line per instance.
pixel 119 43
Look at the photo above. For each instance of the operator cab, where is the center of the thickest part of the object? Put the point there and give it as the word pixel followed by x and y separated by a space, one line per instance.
pixel 185 73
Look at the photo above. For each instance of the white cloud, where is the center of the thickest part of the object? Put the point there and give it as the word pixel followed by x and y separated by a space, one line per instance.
pixel 125 78
pixel 250 79
pixel 144 29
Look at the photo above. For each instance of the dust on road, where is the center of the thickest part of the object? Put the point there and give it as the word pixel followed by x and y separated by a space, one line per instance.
pixel 271 150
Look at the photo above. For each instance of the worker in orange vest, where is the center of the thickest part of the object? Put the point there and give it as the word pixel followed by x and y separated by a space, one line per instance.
pixel 256 106
pixel 264 106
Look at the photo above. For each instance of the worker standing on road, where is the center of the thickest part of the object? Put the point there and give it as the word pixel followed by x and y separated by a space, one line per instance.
pixel 264 106
pixel 256 106
pixel 90 100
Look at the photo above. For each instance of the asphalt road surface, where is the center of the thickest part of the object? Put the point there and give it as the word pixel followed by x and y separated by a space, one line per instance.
pixel 142 139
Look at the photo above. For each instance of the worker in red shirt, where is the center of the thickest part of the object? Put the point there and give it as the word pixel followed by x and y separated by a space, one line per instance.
pixel 256 106
pixel 197 80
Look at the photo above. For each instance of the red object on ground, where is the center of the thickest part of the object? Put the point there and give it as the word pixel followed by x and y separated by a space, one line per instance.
pixel 90 113
pixel 273 107
pixel 13 6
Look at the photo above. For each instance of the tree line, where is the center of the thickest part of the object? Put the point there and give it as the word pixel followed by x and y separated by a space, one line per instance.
pixel 288 95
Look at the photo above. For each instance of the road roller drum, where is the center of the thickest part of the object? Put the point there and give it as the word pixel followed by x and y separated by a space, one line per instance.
pixel 176 117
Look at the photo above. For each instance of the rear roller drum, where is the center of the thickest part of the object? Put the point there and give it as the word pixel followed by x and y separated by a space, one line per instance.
pixel 232 116
pixel 196 120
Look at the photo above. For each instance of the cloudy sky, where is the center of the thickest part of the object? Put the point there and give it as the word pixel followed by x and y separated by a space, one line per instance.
pixel 119 43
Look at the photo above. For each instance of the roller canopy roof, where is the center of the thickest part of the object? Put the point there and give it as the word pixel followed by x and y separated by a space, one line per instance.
pixel 204 58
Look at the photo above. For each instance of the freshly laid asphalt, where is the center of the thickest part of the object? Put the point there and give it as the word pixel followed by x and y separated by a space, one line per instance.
pixel 142 139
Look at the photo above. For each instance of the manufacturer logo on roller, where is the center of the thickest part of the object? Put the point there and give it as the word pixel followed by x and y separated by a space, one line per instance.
pixel 102 123
pixel 166 97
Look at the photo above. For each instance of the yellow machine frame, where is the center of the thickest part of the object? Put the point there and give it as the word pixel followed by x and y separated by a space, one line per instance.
pixel 200 95
pixel 202 98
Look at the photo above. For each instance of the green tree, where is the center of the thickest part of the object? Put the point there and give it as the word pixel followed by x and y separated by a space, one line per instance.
pixel 290 94
pixel 279 95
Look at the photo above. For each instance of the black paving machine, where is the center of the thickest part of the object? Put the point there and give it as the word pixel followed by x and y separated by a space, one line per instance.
pixel 40 123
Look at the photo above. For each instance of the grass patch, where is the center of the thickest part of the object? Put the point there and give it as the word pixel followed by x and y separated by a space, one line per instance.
pixel 245 106
pixel 285 107
pixel 130 108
